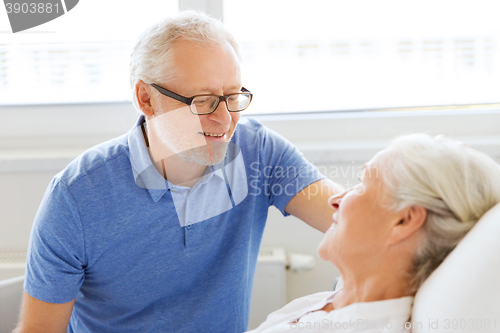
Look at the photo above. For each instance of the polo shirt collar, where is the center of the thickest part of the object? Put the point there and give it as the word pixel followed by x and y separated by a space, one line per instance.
pixel 145 173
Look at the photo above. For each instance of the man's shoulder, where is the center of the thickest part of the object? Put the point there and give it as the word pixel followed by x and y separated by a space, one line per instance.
pixel 113 154
pixel 252 133
pixel 249 126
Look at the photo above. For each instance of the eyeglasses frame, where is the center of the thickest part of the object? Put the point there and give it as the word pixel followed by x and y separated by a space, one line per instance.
pixel 189 100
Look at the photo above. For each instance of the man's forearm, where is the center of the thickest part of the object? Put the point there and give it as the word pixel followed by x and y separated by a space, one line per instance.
pixel 311 204
pixel 41 317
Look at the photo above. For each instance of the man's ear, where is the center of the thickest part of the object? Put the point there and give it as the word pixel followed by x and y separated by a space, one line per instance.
pixel 143 94
pixel 411 221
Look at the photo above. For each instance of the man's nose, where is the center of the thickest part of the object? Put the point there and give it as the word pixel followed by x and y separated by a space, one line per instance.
pixel 334 200
pixel 221 114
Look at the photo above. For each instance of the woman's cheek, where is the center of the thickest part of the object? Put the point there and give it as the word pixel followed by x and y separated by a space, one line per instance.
pixel 327 245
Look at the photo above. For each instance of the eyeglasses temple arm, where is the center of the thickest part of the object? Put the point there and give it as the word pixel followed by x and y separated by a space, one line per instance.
pixel 173 95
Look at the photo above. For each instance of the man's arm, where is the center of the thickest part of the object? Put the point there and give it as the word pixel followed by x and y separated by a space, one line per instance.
pixel 38 316
pixel 311 204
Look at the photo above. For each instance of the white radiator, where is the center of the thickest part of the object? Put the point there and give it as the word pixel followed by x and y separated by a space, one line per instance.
pixel 269 287
pixel 12 264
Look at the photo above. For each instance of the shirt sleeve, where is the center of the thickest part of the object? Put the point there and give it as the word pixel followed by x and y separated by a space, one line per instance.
pixel 56 255
pixel 284 170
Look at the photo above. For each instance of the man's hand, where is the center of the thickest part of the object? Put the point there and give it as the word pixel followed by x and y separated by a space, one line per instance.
pixel 38 316
pixel 311 204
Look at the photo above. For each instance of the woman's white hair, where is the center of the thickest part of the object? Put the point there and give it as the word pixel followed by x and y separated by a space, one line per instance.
pixel 455 183
pixel 152 53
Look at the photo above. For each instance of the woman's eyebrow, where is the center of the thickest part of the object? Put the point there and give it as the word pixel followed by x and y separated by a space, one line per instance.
pixel 363 170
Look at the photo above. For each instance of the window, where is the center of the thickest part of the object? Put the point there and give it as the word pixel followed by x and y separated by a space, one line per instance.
pixel 70 59
pixel 323 55
pixel 299 55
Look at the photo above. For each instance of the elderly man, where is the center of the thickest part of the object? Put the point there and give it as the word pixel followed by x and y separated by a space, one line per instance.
pixel 159 230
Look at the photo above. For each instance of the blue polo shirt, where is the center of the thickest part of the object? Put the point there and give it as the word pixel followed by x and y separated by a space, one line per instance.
pixel 141 255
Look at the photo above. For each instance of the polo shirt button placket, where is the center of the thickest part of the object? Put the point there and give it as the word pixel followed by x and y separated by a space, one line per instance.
pixel 187 212
pixel 187 245
pixel 187 219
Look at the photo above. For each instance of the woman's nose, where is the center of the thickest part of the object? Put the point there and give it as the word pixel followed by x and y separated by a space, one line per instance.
pixel 334 200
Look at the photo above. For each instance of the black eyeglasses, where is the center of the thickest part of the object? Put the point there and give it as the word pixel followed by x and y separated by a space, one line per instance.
pixel 206 104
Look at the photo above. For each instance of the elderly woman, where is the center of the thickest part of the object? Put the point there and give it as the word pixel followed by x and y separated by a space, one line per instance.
pixel 415 201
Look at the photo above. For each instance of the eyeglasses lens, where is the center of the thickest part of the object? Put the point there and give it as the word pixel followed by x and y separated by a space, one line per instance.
pixel 207 104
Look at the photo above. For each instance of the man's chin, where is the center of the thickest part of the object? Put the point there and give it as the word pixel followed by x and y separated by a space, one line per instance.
pixel 205 156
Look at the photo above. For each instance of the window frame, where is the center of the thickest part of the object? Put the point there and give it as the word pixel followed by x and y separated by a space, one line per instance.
pixel 47 137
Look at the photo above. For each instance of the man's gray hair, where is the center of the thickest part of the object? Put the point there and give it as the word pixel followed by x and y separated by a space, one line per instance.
pixel 152 53
pixel 455 183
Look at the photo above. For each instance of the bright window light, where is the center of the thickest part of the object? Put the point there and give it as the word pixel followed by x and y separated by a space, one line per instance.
pixel 324 55
pixel 80 57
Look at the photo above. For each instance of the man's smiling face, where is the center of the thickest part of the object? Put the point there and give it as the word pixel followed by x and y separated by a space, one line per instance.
pixel 199 68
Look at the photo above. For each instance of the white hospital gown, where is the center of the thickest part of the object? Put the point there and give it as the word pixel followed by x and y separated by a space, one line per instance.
pixel 381 316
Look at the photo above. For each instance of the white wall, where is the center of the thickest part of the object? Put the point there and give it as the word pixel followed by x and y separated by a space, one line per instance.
pixel 37 142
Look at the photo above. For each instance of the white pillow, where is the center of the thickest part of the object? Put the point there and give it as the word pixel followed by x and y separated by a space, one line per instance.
pixel 463 293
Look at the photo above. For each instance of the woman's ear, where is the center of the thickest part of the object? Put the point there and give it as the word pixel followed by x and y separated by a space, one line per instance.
pixel 143 94
pixel 411 221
